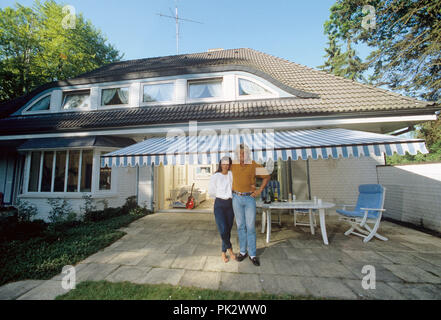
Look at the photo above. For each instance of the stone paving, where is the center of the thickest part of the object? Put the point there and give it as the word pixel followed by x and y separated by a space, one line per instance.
pixel 184 249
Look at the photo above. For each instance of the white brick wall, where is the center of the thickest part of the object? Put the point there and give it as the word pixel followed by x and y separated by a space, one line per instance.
pixel 337 180
pixel 413 193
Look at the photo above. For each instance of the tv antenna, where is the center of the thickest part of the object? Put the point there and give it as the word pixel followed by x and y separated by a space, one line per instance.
pixel 177 19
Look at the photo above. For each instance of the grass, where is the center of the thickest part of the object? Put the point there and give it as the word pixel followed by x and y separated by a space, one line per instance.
pixel 104 290
pixel 45 254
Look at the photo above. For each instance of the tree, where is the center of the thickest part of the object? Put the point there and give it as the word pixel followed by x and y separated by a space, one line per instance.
pixel 36 47
pixel 343 28
pixel 405 56
pixel 406 43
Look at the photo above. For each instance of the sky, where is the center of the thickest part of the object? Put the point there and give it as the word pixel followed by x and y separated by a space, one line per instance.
pixel 290 29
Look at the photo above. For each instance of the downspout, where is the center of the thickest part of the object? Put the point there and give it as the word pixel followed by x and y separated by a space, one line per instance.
pixel 309 180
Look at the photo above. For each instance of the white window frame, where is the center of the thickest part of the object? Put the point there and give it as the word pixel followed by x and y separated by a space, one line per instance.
pixel 28 111
pixel 205 79
pixel 142 103
pixel 271 94
pixel 200 175
pixel 113 106
pixel 78 191
pixel 69 92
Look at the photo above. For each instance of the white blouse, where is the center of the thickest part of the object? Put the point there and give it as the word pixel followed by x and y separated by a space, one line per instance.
pixel 221 186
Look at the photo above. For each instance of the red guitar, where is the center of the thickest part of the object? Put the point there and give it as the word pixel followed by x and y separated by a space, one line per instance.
pixel 190 201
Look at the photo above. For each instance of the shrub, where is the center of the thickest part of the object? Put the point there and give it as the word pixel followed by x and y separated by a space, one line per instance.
pixel 61 211
pixel 25 210
pixel 130 204
pixel 89 205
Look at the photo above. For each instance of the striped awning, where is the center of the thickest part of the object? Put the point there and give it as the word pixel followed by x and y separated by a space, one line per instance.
pixel 263 144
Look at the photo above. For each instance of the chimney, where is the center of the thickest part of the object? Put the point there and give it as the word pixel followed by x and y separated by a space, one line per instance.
pixel 215 49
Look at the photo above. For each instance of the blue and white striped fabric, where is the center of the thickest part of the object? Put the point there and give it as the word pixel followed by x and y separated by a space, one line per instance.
pixel 264 145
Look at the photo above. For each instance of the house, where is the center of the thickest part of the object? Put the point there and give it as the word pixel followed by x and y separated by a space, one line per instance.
pixel 63 140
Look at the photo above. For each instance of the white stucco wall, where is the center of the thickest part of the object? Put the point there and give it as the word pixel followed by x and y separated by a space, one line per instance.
pixel 337 180
pixel 413 193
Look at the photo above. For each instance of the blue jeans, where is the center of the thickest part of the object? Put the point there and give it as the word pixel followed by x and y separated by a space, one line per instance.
pixel 224 216
pixel 245 213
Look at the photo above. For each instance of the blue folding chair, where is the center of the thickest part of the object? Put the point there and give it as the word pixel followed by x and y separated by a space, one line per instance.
pixel 369 209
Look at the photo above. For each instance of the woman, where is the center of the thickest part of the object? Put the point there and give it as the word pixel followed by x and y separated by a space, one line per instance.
pixel 220 188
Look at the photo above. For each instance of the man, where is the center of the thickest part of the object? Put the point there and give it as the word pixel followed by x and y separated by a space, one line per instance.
pixel 244 201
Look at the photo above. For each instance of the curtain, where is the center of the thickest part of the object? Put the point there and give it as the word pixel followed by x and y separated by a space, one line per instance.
pixel 107 95
pixel 123 94
pixel 197 90
pixel 215 89
pixel 75 101
pixel 205 90
pixel 250 88
pixel 151 93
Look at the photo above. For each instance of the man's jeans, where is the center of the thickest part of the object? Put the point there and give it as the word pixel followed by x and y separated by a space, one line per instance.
pixel 245 212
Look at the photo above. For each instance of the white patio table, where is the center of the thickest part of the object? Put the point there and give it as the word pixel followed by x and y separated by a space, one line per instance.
pixel 266 214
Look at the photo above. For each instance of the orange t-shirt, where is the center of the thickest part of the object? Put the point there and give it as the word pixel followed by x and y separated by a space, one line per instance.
pixel 245 176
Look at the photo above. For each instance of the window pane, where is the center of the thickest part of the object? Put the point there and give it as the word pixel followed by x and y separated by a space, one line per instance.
pixel 34 173
pixel 60 170
pixel 250 88
pixel 105 177
pixel 43 104
pixel 77 100
pixel 158 92
pixel 205 89
pixel 46 179
pixel 114 96
pixel 72 176
pixel 86 171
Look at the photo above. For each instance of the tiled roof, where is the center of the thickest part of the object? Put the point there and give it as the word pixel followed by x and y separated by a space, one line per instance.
pixel 133 117
pixel 317 92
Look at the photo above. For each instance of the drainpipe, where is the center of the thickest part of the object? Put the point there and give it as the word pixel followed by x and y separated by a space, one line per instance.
pixel 309 180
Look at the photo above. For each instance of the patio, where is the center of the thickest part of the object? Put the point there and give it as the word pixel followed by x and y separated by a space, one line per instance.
pixel 184 249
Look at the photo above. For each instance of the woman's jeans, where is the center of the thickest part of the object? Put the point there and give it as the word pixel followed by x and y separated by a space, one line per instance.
pixel 245 213
pixel 224 216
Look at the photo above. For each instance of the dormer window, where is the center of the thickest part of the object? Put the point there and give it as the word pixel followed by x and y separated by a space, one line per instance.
pixel 200 89
pixel 159 92
pixel 43 104
pixel 76 100
pixel 249 88
pixel 114 96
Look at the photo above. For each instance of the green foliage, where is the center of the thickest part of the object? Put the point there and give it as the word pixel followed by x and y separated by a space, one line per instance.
pixel 343 29
pixel 35 48
pixel 104 290
pixel 61 211
pixel 431 133
pixel 130 207
pixel 406 44
pixel 26 211
pixel 43 255
pixel 130 204
pixel 89 205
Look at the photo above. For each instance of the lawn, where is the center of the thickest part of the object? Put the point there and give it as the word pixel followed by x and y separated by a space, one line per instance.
pixel 104 290
pixel 43 255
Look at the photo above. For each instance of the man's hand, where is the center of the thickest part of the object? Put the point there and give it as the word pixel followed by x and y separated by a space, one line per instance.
pixel 256 193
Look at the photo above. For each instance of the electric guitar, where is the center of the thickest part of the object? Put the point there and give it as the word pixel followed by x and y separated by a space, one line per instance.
pixel 190 201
